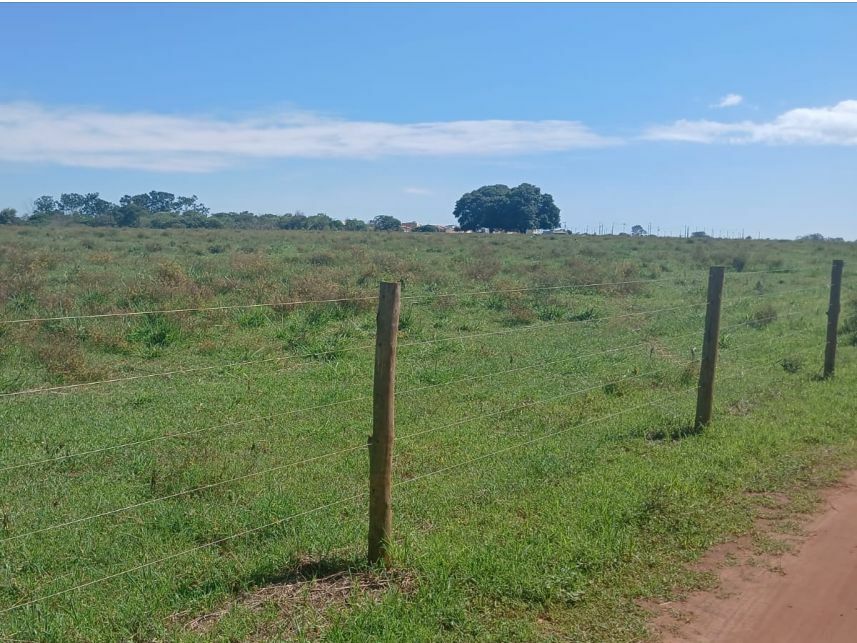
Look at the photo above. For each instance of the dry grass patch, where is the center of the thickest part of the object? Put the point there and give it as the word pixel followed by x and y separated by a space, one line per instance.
pixel 305 604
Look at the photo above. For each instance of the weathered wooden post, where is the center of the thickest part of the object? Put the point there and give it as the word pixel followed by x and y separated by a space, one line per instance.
pixel 383 424
pixel 833 317
pixel 710 341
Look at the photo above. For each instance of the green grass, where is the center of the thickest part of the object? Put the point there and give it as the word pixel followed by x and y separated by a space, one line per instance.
pixel 596 496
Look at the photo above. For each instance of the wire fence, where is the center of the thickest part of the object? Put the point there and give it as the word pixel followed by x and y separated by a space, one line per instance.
pixel 656 360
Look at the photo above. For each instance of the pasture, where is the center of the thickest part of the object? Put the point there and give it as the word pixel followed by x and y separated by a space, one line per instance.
pixel 545 477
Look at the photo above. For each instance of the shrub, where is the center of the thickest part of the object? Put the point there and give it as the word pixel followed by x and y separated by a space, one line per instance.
pixel 322 259
pixel 155 331
pixel 763 316
pixel 792 364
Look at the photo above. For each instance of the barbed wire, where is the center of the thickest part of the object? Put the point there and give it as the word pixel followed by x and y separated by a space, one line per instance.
pixel 529 288
pixel 518 407
pixel 729 301
pixel 316 509
pixel 280 304
pixel 167 311
pixel 179 494
pixel 353 399
pixel 184 552
pixel 184 371
pixel 348 449
pixel 301 302
pixel 239 534
pixel 182 433
pixel 506 331
pixel 763 364
pixel 537 365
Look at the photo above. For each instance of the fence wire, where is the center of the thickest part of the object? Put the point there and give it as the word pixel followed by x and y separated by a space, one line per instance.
pixel 399 483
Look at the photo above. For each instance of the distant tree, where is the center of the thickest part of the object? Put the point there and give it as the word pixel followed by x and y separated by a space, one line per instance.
pixel 295 221
pixel 8 215
pixel 548 213
pixel 71 203
pixel 427 228
pixel 699 234
pixel 497 207
pixel 161 202
pixel 815 236
pixel 128 216
pixel 482 208
pixel 386 222
pixel 354 225
pixel 95 206
pixel 156 201
pixel 638 231
pixel 45 205
pixel 320 221
pixel 184 204
pixel 163 220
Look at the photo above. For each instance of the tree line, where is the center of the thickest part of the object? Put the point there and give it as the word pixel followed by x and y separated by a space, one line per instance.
pixel 164 210
pixel 491 207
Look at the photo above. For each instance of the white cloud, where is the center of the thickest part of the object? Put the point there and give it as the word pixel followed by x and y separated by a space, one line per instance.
pixel 836 125
pixel 730 100
pixel 417 191
pixel 93 138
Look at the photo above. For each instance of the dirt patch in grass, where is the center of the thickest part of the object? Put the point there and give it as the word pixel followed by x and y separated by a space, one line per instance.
pixel 304 604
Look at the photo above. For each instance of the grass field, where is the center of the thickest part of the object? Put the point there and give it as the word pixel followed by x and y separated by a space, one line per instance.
pixel 545 478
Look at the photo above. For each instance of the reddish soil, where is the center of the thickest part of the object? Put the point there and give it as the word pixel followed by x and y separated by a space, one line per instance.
pixel 806 595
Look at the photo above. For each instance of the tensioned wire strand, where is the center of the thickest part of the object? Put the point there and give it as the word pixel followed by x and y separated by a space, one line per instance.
pixel 551 325
pixel 185 371
pixel 312 459
pixel 361 446
pixel 275 415
pixel 182 433
pixel 759 365
pixel 165 311
pixel 578 391
pixel 275 523
pixel 332 504
pixel 300 302
pixel 54 389
pixel 773 293
pixel 184 552
pixel 295 411
pixel 529 288
pixel 223 425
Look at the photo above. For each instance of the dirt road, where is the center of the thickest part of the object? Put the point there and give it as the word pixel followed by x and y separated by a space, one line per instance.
pixel 808 595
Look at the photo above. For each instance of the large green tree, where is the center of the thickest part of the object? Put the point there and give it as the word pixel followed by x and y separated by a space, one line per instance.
pixel 386 222
pixel 498 207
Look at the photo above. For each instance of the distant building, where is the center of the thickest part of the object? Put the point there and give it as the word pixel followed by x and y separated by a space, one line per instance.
pixel 409 226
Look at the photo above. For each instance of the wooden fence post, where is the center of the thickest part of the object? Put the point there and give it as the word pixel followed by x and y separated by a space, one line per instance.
pixel 833 318
pixel 383 424
pixel 711 339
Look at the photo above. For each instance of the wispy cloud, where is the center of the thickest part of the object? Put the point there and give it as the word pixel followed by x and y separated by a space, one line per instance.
pixel 835 125
pixel 417 191
pixel 95 138
pixel 730 100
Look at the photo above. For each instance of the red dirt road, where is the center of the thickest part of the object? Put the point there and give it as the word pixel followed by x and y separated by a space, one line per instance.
pixel 808 595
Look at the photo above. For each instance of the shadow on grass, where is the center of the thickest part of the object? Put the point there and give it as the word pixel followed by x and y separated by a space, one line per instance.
pixel 307 569
pixel 673 433
pixel 303 586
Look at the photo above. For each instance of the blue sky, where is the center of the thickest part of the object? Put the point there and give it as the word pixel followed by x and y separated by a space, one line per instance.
pixel 731 117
